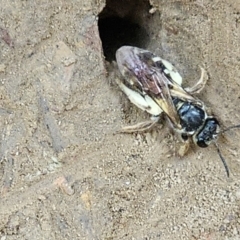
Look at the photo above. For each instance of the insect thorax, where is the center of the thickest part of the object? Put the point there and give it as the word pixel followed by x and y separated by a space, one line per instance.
pixel 192 117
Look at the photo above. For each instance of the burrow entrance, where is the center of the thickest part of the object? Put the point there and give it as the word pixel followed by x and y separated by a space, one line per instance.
pixel 124 22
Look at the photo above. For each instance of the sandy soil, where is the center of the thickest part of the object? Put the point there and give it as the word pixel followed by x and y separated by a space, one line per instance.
pixel 64 172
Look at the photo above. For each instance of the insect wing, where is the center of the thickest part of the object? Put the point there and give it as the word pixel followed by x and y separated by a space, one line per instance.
pixel 159 91
pixel 137 66
pixel 173 78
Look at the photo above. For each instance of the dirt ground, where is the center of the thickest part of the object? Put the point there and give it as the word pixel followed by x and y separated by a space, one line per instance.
pixel 65 173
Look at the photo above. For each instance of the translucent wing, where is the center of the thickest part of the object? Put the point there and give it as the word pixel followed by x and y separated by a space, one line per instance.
pixel 173 78
pixel 144 78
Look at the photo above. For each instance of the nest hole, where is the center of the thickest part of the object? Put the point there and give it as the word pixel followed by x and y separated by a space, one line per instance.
pixel 122 23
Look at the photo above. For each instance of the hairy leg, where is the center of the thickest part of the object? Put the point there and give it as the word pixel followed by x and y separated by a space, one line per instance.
pixel 198 87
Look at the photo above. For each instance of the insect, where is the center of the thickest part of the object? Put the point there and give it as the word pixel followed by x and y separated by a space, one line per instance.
pixel 155 86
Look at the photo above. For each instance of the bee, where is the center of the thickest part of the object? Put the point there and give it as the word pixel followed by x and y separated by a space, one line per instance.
pixel 155 86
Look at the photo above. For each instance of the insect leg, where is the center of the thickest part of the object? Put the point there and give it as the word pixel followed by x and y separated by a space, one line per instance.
pixel 142 101
pixel 140 127
pixel 198 87
pixel 184 148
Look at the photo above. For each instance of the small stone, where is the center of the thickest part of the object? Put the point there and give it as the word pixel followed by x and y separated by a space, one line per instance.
pixel 2 67
pixel 41 197
pixel 152 10
pixel 127 182
pixel 238 194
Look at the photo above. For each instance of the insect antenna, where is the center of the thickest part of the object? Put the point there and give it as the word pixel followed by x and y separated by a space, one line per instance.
pixel 229 128
pixel 222 158
pixel 218 149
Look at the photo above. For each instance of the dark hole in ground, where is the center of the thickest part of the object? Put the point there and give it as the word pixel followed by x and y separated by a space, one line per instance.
pixel 123 23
